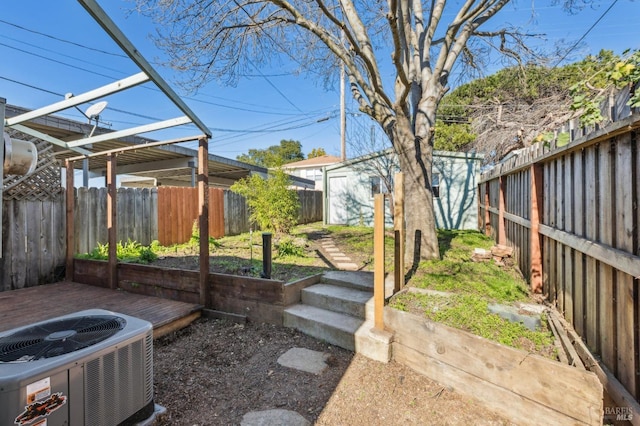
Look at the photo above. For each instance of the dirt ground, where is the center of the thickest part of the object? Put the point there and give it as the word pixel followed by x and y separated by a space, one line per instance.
pixel 214 372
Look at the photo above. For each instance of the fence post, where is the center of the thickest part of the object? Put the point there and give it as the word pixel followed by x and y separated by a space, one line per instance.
pixel 378 260
pixel 203 219
pixel 398 226
pixel 70 236
pixel 487 213
pixel 536 218
pixel 112 230
pixel 502 238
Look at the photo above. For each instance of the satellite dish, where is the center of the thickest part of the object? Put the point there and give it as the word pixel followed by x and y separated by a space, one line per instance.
pixel 95 109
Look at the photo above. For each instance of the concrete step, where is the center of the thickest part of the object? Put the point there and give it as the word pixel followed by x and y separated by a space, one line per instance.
pixel 332 327
pixel 356 303
pixel 360 280
pixel 341 330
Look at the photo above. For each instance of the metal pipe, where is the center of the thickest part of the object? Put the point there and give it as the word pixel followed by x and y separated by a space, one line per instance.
pixel 266 255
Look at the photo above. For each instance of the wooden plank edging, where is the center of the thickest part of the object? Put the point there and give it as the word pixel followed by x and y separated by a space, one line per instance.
pixel 508 380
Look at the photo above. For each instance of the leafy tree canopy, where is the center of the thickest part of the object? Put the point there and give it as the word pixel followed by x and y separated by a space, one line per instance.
pixel 317 152
pixel 276 155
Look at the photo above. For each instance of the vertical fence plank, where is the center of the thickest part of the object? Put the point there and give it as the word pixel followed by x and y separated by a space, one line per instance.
pixel 591 305
pixel 625 283
pixel 154 214
pixel 579 287
pixel 46 262
pixel 569 227
pixel 18 241
pixel 606 305
pixel 546 242
pixel 552 244
pixel 559 215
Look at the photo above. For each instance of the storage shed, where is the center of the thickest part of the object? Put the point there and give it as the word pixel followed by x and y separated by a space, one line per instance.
pixel 349 188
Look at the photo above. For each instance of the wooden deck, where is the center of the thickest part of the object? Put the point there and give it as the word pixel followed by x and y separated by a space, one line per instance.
pixel 26 306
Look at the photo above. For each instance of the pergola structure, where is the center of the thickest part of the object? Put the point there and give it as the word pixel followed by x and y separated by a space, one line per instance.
pixel 77 150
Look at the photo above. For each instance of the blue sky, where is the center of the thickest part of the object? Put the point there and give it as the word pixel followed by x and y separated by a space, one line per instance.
pixel 262 109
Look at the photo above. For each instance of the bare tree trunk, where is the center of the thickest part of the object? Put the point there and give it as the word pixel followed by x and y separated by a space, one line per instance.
pixel 415 154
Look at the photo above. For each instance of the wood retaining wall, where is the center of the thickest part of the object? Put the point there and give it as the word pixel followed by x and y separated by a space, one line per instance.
pixel 257 299
pixel 523 387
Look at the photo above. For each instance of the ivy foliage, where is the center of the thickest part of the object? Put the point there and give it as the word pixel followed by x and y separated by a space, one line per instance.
pixel 273 205
pixel 590 92
pixel 518 85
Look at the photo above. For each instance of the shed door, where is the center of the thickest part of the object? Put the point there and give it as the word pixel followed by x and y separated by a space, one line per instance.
pixel 337 207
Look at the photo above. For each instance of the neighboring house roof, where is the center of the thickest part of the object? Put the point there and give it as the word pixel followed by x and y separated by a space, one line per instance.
pixel 321 161
pixel 389 151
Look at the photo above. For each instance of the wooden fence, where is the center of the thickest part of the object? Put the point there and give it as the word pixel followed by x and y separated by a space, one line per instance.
pixel 571 214
pixel 33 242
pixel 33 237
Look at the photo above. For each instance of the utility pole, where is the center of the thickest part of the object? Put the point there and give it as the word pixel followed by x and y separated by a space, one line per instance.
pixel 343 112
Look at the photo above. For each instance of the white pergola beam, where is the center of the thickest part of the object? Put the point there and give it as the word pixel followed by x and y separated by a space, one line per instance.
pixel 98 93
pixel 118 36
pixel 130 132
pixel 36 134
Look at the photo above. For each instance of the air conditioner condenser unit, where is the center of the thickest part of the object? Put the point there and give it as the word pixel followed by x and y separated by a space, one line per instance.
pixel 94 367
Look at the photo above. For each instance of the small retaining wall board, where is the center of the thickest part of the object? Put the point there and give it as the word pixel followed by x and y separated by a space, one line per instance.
pixel 258 299
pixel 525 388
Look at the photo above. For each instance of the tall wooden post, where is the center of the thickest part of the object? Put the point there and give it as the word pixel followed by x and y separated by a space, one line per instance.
pixel 378 260
pixel 70 217
pixel 536 218
pixel 203 219
pixel 502 237
pixel 112 274
pixel 399 232
pixel 487 213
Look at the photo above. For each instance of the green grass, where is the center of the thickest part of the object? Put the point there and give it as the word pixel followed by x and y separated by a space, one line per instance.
pixel 456 273
pixel 471 287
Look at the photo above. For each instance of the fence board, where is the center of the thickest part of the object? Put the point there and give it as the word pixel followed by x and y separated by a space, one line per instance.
pixel 606 305
pixel 552 244
pixel 569 227
pixel 626 327
pixel 591 233
pixel 559 216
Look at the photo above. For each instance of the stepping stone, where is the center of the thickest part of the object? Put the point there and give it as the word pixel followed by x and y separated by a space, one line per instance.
pixel 274 418
pixel 348 266
pixel 332 249
pixel 304 360
pixel 341 258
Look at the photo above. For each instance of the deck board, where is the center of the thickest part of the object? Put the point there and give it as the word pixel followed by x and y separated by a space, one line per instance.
pixel 29 305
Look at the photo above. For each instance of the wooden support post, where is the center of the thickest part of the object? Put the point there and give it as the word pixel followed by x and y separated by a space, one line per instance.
pixel 378 259
pixel 70 217
pixel 536 219
pixel 203 219
pixel 487 213
pixel 502 237
pixel 399 232
pixel 112 274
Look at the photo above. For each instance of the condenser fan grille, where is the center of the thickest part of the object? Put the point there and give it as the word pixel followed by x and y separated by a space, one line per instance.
pixel 58 337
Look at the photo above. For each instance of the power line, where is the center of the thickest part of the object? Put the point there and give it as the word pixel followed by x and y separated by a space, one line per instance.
pixel 586 33
pixel 62 40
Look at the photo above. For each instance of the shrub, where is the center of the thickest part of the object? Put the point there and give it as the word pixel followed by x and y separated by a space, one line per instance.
pixel 273 205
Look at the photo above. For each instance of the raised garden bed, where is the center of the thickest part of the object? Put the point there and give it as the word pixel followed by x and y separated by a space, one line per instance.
pixel 525 387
